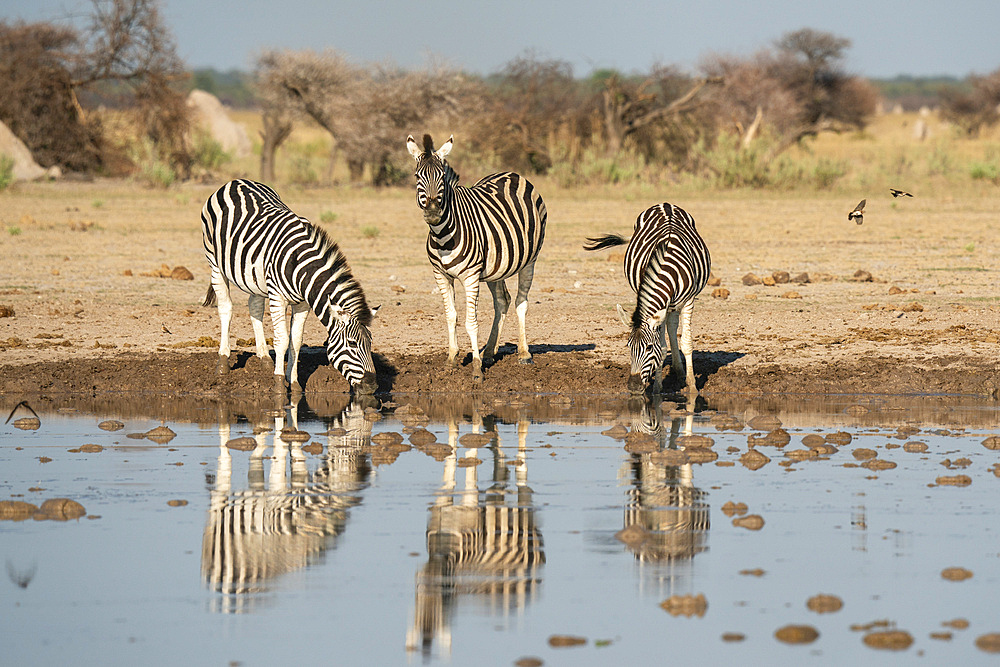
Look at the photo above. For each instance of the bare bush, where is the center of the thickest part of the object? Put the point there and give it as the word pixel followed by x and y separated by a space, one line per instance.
pixel 973 110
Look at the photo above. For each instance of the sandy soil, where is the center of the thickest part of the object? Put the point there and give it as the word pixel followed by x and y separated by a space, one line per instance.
pixel 79 265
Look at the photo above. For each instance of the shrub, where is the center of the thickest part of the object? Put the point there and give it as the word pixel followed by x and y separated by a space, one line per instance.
pixel 208 152
pixel 6 171
pixel 985 171
pixel 370 232
pixel 328 217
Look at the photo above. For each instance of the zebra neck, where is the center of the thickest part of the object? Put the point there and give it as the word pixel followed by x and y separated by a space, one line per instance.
pixel 446 233
pixel 320 276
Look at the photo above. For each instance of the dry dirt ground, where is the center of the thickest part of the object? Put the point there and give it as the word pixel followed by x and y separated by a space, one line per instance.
pixel 86 309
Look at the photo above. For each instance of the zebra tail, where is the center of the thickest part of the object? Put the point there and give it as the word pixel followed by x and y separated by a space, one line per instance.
pixel 210 297
pixel 606 241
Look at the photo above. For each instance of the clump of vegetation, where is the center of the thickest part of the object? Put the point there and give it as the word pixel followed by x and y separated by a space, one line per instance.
pixel 14 230
pixel 328 217
pixel 985 171
pixel 370 232
pixel 208 153
pixel 6 171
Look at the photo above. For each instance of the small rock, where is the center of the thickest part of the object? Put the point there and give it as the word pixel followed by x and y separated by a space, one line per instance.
pixel 720 293
pixel 750 522
pixel 563 641
pixel 956 574
pixel 792 294
pixel 181 273
pixel 892 640
pixel 796 634
pixel 685 605
pixel 750 279
pixel 862 276
pixel 111 425
pixel 954 480
pixel 824 604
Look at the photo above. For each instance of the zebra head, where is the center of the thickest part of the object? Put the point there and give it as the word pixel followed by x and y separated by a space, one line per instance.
pixel 349 348
pixel 432 175
pixel 645 349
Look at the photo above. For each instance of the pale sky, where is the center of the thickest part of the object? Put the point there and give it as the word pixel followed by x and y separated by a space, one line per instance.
pixel 915 37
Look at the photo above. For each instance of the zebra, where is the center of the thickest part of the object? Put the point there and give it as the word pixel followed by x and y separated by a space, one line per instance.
pixel 667 264
pixel 485 233
pixel 253 240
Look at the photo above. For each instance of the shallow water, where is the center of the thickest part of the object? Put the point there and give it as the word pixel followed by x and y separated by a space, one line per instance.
pixel 371 551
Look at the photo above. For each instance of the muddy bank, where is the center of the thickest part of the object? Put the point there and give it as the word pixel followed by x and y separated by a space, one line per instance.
pixel 556 369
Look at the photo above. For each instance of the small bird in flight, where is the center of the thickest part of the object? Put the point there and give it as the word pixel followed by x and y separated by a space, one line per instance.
pixel 857 215
pixel 898 193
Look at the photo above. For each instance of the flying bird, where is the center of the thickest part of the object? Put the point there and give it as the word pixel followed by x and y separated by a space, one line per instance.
pixel 857 215
pixel 898 193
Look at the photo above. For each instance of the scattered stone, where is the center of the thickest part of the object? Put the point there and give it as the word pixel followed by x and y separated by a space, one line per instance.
pixel 956 623
pixel 878 464
pixel 618 432
pixel 895 290
pixel 27 423
pixel 862 276
pixel 563 641
pixel 713 281
pixel 695 441
pixel 387 438
pixel 812 440
pixel 422 437
pixel 6 311
pixel 731 508
pixel 754 460
pixel 992 442
pixel 824 604
pixel 802 278
pixel 781 277
pixel 764 423
pixel 161 435
pixel 685 605
pixel 244 444
pixel 293 435
pixel 181 273
pixel 796 634
pixel 892 640
pixel 913 307
pixel 87 449
pixel 16 510
pixel 720 293
pixel 111 425
pixel 840 438
pixel 669 457
pixel 863 453
pixel 915 447
pixel 750 279
pixel 733 636
pixel 528 661
pixel 767 281
pixel 702 455
pixel 59 509
pixel 856 410
pixel 954 480
pixel 177 503
pixel 750 522
pixel 801 454
pixel 755 572
pixel 779 437
pixel 943 636
pixel 791 295
pixel 956 574
pixel 989 643
pixel 313 448
pixel 468 462
pixel 475 440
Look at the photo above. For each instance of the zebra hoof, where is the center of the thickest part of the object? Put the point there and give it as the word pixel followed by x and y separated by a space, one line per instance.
pixel 527 360
pixel 279 385
pixel 268 363
pixel 223 365
pixel 296 388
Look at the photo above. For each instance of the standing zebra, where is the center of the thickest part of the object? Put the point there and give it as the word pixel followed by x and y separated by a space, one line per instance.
pixel 256 242
pixel 667 264
pixel 485 233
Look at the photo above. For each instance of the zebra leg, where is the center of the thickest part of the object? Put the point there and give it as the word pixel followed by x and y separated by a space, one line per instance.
pixel 687 345
pixel 446 285
pixel 671 323
pixel 280 326
pixel 524 278
pixel 299 313
pixel 501 302
pixel 256 304
pixel 225 306
pixel 472 324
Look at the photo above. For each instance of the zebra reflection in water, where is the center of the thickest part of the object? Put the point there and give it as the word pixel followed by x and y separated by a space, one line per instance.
pixel 285 520
pixel 662 501
pixel 483 545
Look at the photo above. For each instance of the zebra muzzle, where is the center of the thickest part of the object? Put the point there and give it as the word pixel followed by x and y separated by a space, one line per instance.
pixel 636 384
pixel 368 384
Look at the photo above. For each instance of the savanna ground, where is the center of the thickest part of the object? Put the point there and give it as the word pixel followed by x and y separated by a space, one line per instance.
pixel 79 264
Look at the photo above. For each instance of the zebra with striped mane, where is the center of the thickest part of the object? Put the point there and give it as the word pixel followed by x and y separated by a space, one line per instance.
pixel 254 241
pixel 667 264
pixel 485 233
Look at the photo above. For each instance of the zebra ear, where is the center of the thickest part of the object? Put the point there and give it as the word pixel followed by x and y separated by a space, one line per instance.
pixel 374 311
pixel 412 146
pixel 657 318
pixel 340 313
pixel 445 147
pixel 623 316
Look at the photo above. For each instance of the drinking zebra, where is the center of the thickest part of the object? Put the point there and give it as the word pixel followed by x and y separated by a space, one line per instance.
pixel 667 264
pixel 485 233
pixel 256 242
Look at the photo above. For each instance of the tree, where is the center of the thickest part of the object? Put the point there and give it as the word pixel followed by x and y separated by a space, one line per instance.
pixel 973 110
pixel 43 68
pixel 797 90
pixel 662 97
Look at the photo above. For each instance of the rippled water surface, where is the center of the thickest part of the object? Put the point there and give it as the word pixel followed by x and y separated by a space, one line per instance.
pixel 575 530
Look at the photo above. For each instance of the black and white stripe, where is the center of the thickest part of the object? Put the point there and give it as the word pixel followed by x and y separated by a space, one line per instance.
pixel 253 240
pixel 485 233
pixel 667 264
